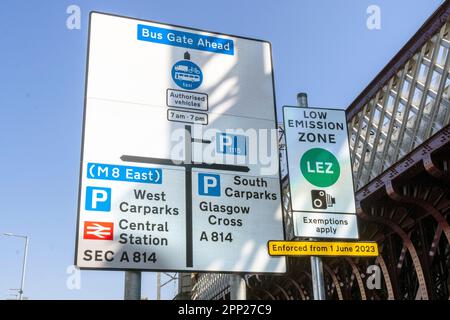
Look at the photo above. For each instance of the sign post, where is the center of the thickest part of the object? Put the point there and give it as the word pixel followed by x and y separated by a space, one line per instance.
pixel 132 287
pixel 175 174
pixel 238 288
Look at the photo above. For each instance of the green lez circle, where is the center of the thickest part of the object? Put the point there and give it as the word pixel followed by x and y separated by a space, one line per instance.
pixel 320 167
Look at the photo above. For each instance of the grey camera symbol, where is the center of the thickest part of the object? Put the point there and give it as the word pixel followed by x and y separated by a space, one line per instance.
pixel 321 200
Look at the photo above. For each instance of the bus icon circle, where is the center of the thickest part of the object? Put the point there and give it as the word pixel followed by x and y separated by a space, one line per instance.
pixel 187 75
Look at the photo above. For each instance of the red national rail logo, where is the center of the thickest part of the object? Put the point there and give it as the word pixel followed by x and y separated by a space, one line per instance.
pixel 95 230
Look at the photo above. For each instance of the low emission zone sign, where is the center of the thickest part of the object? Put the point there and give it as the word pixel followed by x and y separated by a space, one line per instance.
pixel 320 173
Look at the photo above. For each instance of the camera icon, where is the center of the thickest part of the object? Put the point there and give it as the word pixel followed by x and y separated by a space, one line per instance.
pixel 321 200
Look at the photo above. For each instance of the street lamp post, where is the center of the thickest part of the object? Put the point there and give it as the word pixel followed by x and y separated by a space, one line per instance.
pixel 24 263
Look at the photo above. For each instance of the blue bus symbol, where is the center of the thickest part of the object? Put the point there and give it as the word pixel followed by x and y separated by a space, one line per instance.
pixel 187 75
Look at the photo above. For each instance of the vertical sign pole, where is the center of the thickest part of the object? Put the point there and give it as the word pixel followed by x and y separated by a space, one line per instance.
pixel 238 288
pixel 188 193
pixel 132 285
pixel 317 278
pixel 158 286
pixel 316 262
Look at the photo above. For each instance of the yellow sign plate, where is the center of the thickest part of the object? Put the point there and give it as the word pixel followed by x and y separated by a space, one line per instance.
pixel 319 248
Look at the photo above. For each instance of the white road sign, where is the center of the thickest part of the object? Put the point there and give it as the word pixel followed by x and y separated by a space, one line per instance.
pixel 320 176
pixel 170 175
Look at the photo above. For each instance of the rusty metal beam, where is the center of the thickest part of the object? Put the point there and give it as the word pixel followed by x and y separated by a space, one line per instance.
pixel 402 256
pixel 281 289
pixel 435 242
pixel 433 169
pixel 335 281
pixel 422 204
pixel 406 241
pixel 424 256
pixel 297 286
pixel 266 292
pixel 359 280
pixel 387 278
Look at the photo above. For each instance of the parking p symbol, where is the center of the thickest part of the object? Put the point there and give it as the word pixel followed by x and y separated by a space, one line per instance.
pixel 209 184
pixel 98 199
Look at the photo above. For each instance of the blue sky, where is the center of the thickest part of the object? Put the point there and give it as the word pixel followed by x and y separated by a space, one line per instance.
pixel 322 47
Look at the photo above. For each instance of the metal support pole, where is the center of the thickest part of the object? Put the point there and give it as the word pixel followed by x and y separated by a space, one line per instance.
pixel 316 262
pixel 317 278
pixel 132 285
pixel 158 286
pixel 188 194
pixel 302 100
pixel 238 287
pixel 24 266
